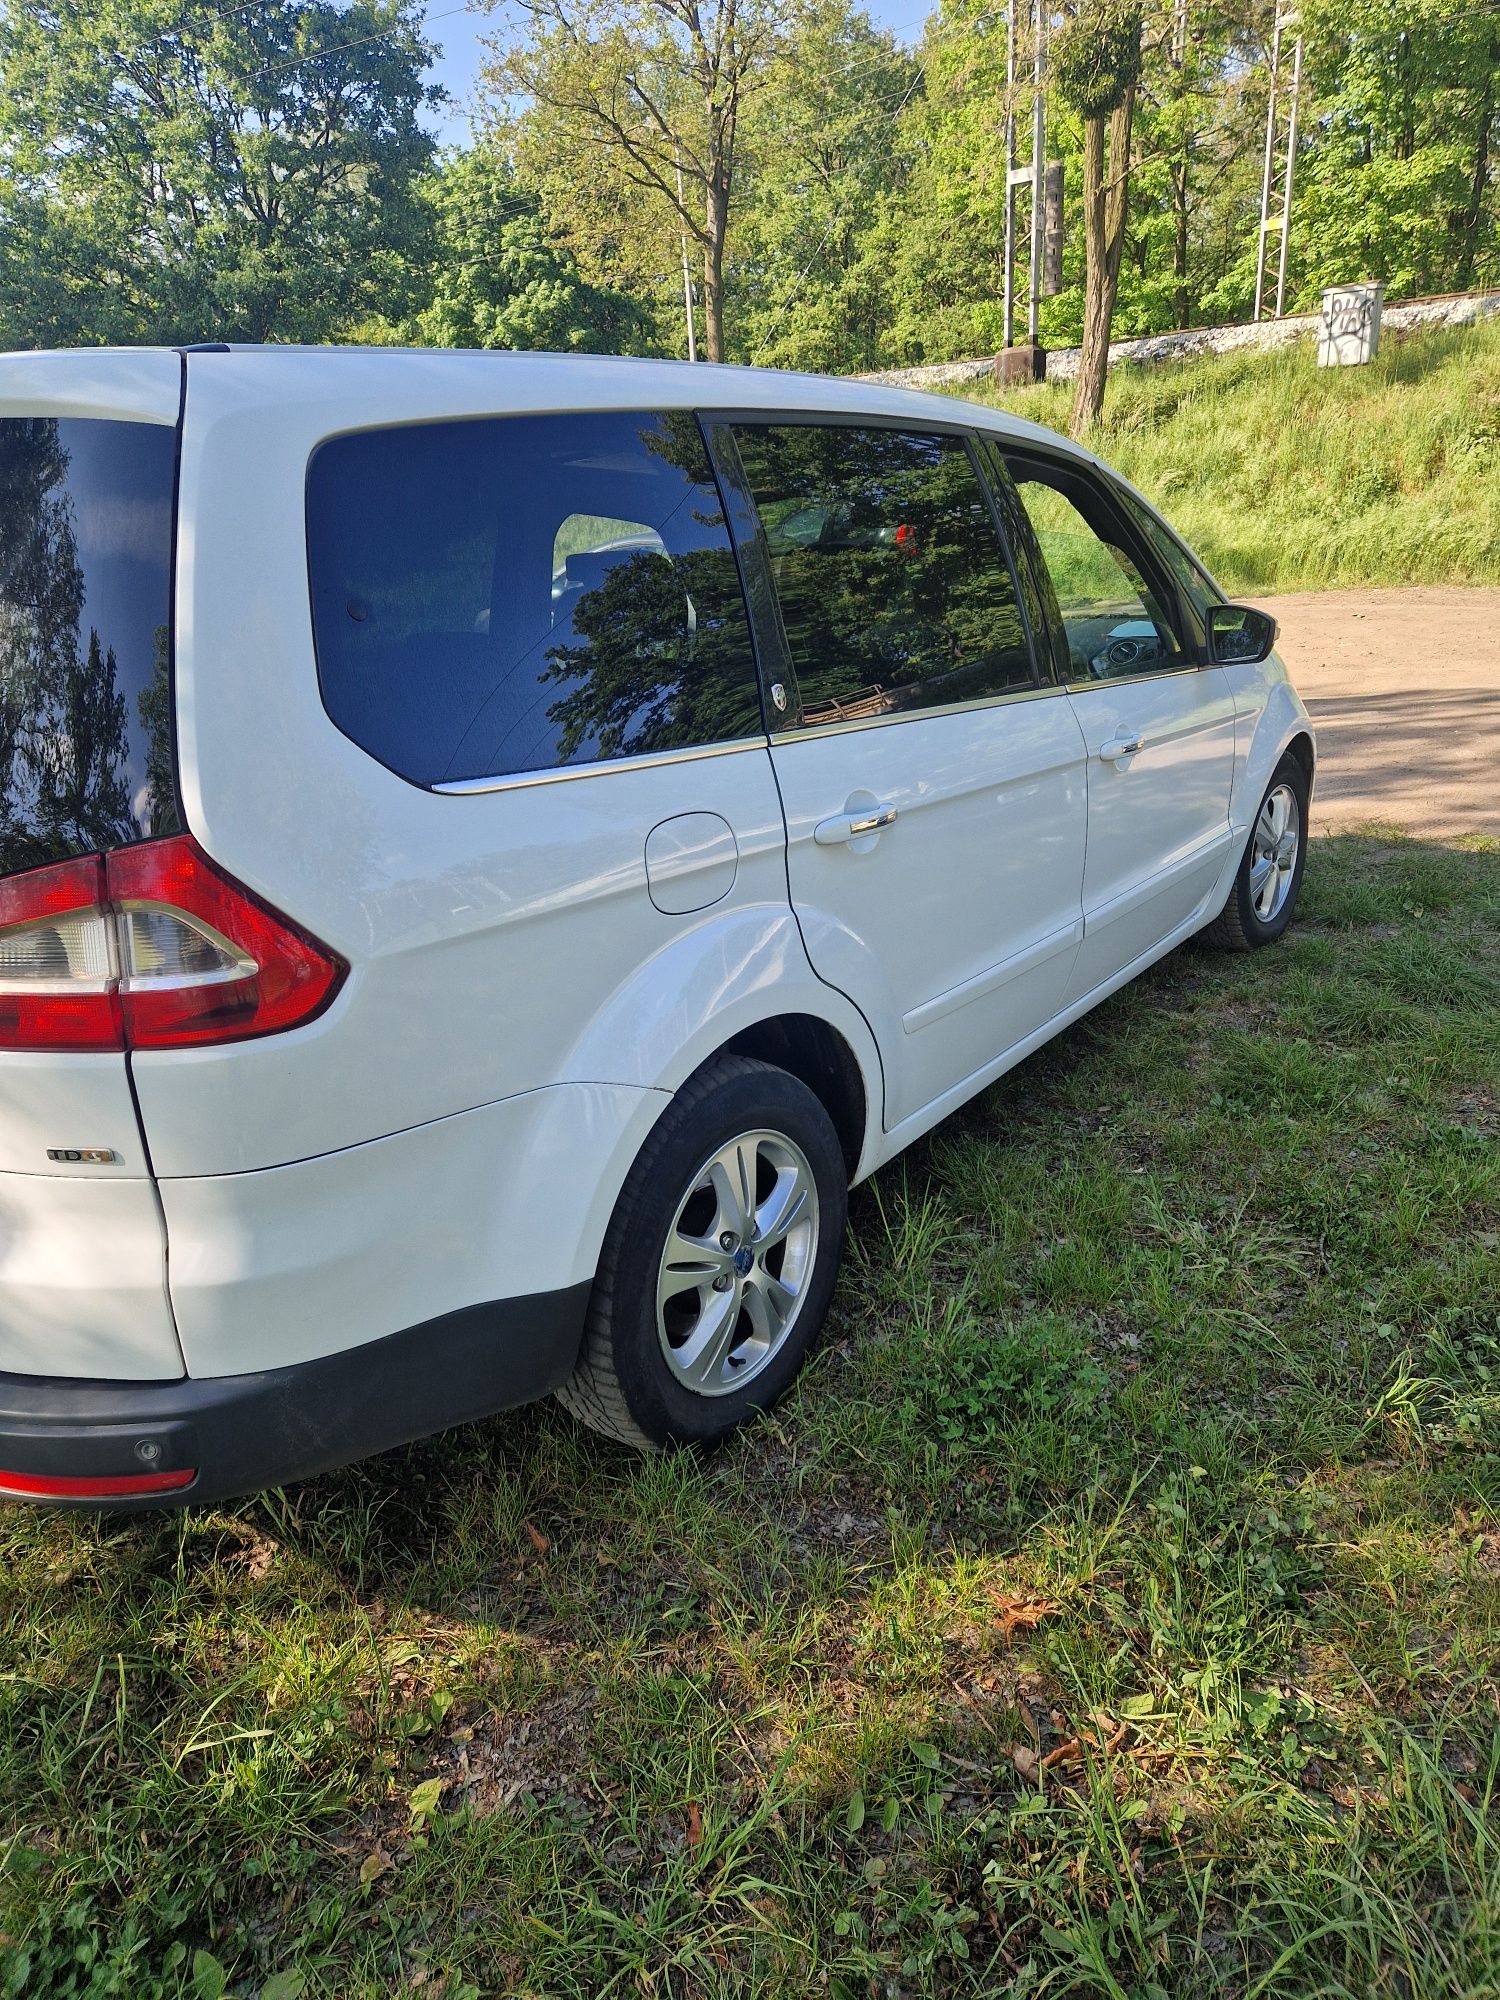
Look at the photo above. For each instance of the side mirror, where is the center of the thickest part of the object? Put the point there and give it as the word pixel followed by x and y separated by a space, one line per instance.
pixel 1239 635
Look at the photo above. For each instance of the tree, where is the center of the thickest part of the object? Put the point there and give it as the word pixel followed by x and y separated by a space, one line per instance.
pixel 1397 184
pixel 821 154
pixel 1096 62
pixel 499 280
pixel 182 170
pixel 662 86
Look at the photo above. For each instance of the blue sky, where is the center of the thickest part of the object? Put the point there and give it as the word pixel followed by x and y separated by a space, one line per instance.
pixel 458 31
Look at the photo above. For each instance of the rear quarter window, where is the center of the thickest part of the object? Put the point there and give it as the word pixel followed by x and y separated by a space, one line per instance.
pixel 505 595
pixel 86 757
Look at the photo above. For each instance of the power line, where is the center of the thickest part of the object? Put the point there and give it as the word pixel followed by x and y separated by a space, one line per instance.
pixel 358 42
pixel 790 300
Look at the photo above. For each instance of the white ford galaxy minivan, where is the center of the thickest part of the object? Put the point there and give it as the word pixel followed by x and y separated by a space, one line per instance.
pixel 493 845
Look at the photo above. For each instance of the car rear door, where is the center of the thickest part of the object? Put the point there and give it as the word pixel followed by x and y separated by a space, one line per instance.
pixel 1159 726
pixel 933 784
pixel 86 505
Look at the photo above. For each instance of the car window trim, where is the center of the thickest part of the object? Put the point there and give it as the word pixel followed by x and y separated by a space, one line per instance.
pixel 456 788
pixel 752 555
pixel 1161 582
pixel 762 604
pixel 1013 528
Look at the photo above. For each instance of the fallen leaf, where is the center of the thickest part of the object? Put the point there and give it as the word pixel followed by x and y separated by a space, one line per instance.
pixel 1070 1752
pixel 538 1540
pixel 1028 1765
pixel 1023 1614
pixel 375 1865
pixel 694 1826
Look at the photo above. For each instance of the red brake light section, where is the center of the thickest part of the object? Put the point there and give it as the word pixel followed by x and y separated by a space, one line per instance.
pixel 151 947
pixel 272 976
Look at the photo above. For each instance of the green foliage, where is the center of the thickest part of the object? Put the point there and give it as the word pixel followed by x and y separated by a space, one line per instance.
pixel 214 173
pixel 500 280
pixel 1096 56
pixel 261 172
pixel 819 158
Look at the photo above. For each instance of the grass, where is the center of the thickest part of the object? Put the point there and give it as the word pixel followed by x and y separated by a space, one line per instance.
pixel 1114 1611
pixel 1285 476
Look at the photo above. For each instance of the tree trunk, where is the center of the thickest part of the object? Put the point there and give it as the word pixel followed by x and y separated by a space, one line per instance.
pixel 1184 298
pixel 1106 188
pixel 716 218
pixel 1474 215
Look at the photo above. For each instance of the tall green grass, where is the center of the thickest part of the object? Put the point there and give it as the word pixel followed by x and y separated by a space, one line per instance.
pixel 1285 476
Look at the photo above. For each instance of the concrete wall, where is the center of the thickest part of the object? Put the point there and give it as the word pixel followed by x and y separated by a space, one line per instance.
pixel 1062 362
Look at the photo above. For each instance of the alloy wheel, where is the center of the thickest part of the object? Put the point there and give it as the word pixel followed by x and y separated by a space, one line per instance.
pixel 1274 848
pixel 737 1261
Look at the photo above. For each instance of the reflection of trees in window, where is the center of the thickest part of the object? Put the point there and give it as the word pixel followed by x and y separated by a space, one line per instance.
pixel 64 725
pixel 154 706
pixel 658 659
pixel 887 566
pixel 78 754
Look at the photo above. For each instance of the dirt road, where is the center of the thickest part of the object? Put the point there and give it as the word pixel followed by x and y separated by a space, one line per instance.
pixel 1404 689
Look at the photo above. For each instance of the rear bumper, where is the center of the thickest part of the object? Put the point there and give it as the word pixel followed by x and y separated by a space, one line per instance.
pixel 239 1433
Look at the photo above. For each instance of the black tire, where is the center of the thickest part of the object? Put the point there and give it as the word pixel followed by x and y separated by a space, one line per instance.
pixel 1239 926
pixel 624 1385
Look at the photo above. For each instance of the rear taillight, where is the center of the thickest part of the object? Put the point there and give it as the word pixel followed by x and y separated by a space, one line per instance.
pixel 151 947
pixel 59 979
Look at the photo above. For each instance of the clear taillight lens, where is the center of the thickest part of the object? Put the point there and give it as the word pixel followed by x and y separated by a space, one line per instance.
pixel 59 978
pixel 150 948
pixel 169 946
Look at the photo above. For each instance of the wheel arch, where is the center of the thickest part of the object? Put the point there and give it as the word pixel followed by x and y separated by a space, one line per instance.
pixel 1302 747
pixel 812 1050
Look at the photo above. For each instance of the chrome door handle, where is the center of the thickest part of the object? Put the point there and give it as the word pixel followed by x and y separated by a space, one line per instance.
pixel 1120 746
pixel 849 826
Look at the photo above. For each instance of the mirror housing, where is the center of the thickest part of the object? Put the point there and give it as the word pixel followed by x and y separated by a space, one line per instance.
pixel 1239 635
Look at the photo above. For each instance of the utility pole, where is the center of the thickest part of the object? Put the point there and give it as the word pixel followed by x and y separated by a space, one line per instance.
pixel 1010 170
pixel 1291 165
pixel 687 272
pixel 1265 177
pixel 1038 169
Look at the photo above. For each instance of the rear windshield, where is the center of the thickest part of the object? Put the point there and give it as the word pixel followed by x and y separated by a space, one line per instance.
pixel 85 579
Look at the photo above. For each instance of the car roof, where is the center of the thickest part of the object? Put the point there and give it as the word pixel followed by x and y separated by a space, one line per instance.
pixel 146 382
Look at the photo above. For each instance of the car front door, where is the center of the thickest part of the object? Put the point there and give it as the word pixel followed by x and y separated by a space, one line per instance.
pixel 1159 726
pixel 933 784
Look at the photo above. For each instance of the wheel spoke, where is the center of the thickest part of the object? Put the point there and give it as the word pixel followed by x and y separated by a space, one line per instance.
pixel 780 1296
pixel 700 1359
pixel 765 1322
pixel 726 1177
pixel 689 1265
pixel 782 1208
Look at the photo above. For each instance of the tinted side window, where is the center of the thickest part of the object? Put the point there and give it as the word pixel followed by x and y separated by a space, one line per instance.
pixel 86 759
pixel 1110 621
pixel 895 591
pixel 514 594
pixel 1186 574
